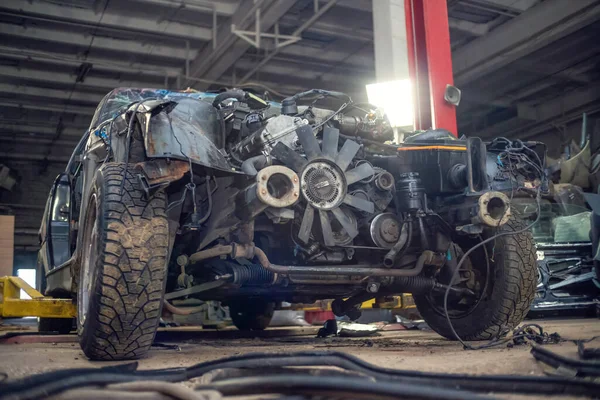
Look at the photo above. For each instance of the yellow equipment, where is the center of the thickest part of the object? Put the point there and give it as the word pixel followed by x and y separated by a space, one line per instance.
pixel 402 302
pixel 11 305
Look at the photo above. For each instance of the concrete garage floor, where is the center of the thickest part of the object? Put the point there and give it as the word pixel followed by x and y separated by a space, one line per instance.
pixel 420 350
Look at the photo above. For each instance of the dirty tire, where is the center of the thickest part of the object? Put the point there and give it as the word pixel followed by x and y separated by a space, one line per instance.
pixel 127 266
pixel 510 293
pixel 251 315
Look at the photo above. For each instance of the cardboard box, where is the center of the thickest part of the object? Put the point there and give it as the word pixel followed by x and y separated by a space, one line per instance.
pixel 7 244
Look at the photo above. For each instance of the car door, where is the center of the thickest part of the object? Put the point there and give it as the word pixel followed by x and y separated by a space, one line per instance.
pixel 59 217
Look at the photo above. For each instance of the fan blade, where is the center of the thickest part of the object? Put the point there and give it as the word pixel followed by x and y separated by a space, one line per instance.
pixel 330 142
pixel 361 204
pixel 326 228
pixel 346 154
pixel 347 224
pixel 363 171
pixel 288 156
pixel 307 222
pixel 308 141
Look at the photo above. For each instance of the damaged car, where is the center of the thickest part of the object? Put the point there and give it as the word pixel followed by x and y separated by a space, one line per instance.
pixel 231 197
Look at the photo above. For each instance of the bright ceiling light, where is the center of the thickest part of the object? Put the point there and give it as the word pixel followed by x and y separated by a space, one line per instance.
pixel 395 98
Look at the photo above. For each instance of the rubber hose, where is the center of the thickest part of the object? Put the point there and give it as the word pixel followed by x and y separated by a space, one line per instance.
pixel 230 94
pixel 399 248
pixel 252 165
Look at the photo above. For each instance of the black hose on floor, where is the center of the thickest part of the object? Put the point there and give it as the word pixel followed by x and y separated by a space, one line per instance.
pixel 46 384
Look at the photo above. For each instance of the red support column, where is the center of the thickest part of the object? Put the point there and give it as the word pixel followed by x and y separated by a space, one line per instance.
pixel 430 63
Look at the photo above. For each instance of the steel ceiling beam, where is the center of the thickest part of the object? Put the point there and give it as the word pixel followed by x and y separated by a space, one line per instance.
pixel 34 157
pixel 535 28
pixel 298 72
pixel 30 120
pixel 544 75
pixel 37 141
pixel 110 18
pixel 468 27
pixel 67 78
pixel 67 63
pixel 561 105
pixel 330 54
pixel 307 24
pixel 532 120
pixel 29 90
pixel 517 6
pixel 225 9
pixel 316 65
pixel 41 105
pixel 334 30
pixel 358 5
pixel 26 129
pixel 138 48
pixel 212 63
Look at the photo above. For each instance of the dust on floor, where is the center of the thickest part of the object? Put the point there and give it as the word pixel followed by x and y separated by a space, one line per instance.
pixel 417 350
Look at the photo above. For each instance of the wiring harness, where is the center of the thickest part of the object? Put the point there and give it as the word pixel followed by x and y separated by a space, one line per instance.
pixel 515 159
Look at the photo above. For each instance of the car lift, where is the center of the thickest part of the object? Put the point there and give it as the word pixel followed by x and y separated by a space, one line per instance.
pixel 11 305
pixel 430 65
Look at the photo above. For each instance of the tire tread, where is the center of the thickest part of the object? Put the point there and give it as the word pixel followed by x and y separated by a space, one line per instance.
pixel 132 272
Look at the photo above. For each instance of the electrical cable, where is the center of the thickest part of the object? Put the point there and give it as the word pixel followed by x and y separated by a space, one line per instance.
pixel 483 243
pixel 339 386
pixel 128 138
pixel 339 110
pixel 49 383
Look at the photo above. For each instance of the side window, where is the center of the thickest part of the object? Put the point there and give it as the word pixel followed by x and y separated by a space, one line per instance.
pixel 61 204
pixel 46 217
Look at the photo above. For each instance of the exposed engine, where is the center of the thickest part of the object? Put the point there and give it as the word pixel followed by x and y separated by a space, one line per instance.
pixel 315 196
pixel 339 198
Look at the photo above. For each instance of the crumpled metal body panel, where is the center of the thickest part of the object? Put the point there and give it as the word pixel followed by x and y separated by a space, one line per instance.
pixel 160 171
pixel 190 130
pixel 119 99
pixel 179 125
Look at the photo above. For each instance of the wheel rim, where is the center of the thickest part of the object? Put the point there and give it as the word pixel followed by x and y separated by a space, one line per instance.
pixel 90 240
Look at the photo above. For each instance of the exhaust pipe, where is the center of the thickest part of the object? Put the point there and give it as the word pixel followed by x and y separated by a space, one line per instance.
pixel 493 209
pixel 275 186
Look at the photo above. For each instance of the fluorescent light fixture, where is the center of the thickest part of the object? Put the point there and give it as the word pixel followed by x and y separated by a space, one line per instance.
pixel 396 99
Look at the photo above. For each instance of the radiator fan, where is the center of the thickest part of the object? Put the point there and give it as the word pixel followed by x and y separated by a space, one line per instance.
pixel 324 183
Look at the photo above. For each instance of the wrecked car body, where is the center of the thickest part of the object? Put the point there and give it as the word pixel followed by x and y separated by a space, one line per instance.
pixel 227 196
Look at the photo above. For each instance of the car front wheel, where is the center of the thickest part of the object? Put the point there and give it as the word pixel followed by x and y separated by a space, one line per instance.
pixel 123 266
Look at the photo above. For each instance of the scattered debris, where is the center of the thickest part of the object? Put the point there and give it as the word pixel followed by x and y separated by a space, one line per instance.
pixel 413 324
pixel 288 318
pixel 167 346
pixel 347 329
